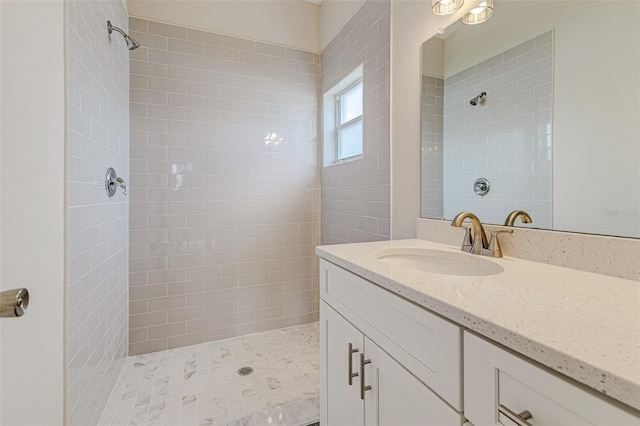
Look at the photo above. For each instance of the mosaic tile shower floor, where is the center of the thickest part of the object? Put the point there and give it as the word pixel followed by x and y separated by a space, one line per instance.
pixel 199 385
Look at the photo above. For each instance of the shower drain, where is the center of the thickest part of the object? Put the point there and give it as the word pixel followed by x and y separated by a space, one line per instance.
pixel 245 371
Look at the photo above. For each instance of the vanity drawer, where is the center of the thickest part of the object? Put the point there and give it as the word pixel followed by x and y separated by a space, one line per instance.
pixel 424 343
pixel 499 385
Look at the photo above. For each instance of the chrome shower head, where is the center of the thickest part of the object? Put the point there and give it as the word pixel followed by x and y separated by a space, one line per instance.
pixel 131 43
pixel 478 98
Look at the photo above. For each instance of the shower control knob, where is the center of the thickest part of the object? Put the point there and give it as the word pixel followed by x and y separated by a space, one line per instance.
pixel 481 186
pixel 112 181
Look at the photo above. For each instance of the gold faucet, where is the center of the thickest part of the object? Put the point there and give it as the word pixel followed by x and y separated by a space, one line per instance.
pixel 511 219
pixel 475 240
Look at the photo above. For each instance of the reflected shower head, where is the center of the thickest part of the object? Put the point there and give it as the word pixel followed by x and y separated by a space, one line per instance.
pixel 478 98
pixel 131 43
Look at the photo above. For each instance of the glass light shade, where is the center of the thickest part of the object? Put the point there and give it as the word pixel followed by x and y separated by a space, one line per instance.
pixel 479 14
pixel 446 7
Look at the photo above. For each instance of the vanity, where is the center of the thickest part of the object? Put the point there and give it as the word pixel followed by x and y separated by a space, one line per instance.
pixel 500 341
pixel 513 115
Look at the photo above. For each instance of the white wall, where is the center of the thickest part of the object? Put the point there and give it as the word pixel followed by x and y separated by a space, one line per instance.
pixel 287 23
pixel 33 192
pixel 334 15
pixel 599 192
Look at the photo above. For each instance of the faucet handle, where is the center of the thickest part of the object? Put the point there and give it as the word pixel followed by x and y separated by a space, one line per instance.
pixel 111 181
pixel 122 184
pixel 467 241
pixel 494 249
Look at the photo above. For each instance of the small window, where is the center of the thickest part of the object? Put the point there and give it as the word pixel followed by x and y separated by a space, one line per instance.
pixel 349 122
pixel 343 118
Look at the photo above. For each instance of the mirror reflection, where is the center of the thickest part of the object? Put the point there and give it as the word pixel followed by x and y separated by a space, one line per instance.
pixel 536 109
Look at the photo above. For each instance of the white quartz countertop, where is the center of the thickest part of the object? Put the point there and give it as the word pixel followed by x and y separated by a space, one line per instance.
pixel 581 324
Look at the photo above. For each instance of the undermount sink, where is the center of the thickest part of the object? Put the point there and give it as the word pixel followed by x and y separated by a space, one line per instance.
pixel 438 262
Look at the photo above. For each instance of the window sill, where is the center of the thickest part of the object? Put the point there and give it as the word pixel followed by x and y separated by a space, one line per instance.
pixel 345 161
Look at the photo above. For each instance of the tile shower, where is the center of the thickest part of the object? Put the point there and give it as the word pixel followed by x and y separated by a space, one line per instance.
pixel 223 221
pixel 224 212
pixel 215 240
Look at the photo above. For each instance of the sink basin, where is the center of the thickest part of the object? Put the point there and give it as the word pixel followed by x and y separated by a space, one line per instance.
pixel 439 262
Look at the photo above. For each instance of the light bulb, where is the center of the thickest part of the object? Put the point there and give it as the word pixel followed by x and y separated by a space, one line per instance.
pixel 478 9
pixel 479 14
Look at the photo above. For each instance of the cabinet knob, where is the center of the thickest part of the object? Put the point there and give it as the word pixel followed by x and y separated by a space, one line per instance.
pixel 363 388
pixel 352 351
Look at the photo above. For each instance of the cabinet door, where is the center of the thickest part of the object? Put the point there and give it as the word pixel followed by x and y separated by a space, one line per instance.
pixel 340 401
pixel 398 398
pixel 427 345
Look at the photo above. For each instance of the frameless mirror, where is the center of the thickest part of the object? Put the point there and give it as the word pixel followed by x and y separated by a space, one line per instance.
pixel 536 109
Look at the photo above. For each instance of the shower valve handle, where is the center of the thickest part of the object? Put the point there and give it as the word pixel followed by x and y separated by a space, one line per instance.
pixel 112 181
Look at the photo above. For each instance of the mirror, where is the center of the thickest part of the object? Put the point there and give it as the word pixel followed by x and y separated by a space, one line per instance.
pixel 542 101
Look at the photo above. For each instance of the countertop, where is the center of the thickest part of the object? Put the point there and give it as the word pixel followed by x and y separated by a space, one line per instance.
pixel 583 325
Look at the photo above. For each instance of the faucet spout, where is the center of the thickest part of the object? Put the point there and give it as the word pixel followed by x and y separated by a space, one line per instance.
pixel 511 219
pixel 478 236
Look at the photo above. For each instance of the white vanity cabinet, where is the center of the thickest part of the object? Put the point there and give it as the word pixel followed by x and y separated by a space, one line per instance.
pixel 499 386
pixel 381 390
pixel 404 362
pixel 387 361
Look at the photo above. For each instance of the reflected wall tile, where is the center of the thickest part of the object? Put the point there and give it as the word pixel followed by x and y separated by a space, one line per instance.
pixel 510 123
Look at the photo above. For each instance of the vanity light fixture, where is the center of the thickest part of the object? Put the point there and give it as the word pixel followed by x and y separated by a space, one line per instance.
pixel 479 14
pixel 445 7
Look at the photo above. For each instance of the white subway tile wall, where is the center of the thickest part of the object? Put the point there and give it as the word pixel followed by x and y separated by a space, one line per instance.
pixel 506 139
pixel 432 134
pixel 98 226
pixel 355 194
pixel 224 187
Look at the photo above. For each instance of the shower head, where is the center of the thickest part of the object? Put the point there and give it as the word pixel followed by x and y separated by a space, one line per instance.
pixel 131 43
pixel 478 98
